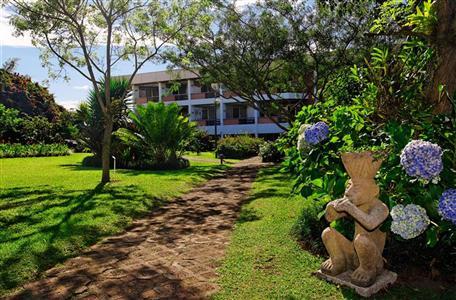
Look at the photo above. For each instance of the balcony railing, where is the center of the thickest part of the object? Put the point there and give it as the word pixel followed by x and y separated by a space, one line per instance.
pixel 153 99
pixel 240 121
pixel 204 95
pixel 207 122
pixel 178 97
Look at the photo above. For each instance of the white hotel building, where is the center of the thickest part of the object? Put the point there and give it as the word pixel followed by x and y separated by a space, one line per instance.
pixel 232 114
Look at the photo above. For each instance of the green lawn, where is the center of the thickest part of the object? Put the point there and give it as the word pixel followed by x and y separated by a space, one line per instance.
pixel 265 262
pixel 51 208
pixel 208 156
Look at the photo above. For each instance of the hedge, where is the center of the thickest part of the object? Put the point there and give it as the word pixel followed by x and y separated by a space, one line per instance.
pixel 19 150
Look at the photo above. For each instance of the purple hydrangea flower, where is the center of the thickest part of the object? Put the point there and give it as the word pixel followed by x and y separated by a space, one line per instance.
pixel 409 221
pixel 447 205
pixel 422 159
pixel 316 133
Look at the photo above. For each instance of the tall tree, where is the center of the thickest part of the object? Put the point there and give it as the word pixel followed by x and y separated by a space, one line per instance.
pixel 91 37
pixel 261 50
pixel 433 21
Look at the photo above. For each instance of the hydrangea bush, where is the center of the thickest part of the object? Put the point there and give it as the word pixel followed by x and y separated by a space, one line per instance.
pixel 409 221
pixel 422 152
pixel 447 205
pixel 422 160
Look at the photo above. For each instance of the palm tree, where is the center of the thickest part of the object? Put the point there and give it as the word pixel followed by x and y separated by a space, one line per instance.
pixel 90 115
pixel 159 133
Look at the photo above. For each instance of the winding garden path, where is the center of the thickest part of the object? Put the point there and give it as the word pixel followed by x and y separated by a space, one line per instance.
pixel 171 254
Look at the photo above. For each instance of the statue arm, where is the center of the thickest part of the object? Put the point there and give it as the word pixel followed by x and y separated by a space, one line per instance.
pixel 331 214
pixel 370 220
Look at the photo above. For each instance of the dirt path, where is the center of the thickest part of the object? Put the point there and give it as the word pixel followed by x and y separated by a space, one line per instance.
pixel 172 254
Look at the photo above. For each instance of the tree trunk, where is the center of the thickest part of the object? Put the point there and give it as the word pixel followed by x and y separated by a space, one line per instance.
pixel 106 148
pixel 444 40
pixel 445 75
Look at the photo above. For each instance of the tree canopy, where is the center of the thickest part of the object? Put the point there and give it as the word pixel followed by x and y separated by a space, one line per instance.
pixel 270 47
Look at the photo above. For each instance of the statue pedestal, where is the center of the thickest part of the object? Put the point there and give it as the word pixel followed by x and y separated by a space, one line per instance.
pixel 383 280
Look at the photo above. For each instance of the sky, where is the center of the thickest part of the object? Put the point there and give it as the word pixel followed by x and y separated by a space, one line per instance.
pixel 66 93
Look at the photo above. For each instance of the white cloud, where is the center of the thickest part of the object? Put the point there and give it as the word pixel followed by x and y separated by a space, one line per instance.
pixel 69 104
pixel 85 87
pixel 6 33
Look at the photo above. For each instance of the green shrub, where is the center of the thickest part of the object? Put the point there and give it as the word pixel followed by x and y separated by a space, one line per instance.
pixel 19 150
pixel 309 226
pixel 10 124
pixel 270 153
pixel 158 137
pixel 201 142
pixel 241 146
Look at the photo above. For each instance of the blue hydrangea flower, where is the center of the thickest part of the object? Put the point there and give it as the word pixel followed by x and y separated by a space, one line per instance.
pixel 316 133
pixel 422 160
pixel 447 205
pixel 409 221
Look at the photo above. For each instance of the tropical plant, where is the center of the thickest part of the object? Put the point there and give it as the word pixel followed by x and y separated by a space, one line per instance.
pixel 433 23
pixel 159 135
pixel 90 116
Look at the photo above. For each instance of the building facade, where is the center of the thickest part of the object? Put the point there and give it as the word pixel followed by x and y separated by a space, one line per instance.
pixel 226 114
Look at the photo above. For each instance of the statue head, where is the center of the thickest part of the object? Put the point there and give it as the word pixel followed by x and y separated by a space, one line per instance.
pixel 362 192
pixel 361 167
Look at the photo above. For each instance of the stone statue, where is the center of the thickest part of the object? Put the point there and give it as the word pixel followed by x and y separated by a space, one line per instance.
pixel 361 203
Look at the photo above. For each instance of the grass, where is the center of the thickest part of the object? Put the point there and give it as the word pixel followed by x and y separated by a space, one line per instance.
pixel 51 208
pixel 208 156
pixel 264 261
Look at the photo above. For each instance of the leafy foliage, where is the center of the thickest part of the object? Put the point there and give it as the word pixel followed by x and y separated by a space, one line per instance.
pixel 10 120
pixel 395 79
pixel 201 142
pixel 28 97
pixel 90 117
pixel 269 152
pixel 19 150
pixel 363 125
pixel 277 46
pixel 158 136
pixel 241 146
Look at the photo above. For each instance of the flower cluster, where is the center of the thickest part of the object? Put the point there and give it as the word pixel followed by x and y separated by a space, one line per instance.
pixel 409 221
pixel 447 205
pixel 316 133
pixel 302 145
pixel 422 160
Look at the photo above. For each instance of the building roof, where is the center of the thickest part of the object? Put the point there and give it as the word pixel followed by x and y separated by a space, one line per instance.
pixel 163 76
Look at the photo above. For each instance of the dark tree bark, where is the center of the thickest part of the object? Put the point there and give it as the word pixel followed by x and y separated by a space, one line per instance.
pixel 106 148
pixel 444 41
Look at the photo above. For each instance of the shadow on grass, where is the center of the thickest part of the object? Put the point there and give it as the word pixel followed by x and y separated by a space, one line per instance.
pixel 44 225
pixel 205 172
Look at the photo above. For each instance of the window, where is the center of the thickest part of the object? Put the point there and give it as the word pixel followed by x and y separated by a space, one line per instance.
pixel 150 92
pixel 236 112
pixel 208 113
pixel 204 114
